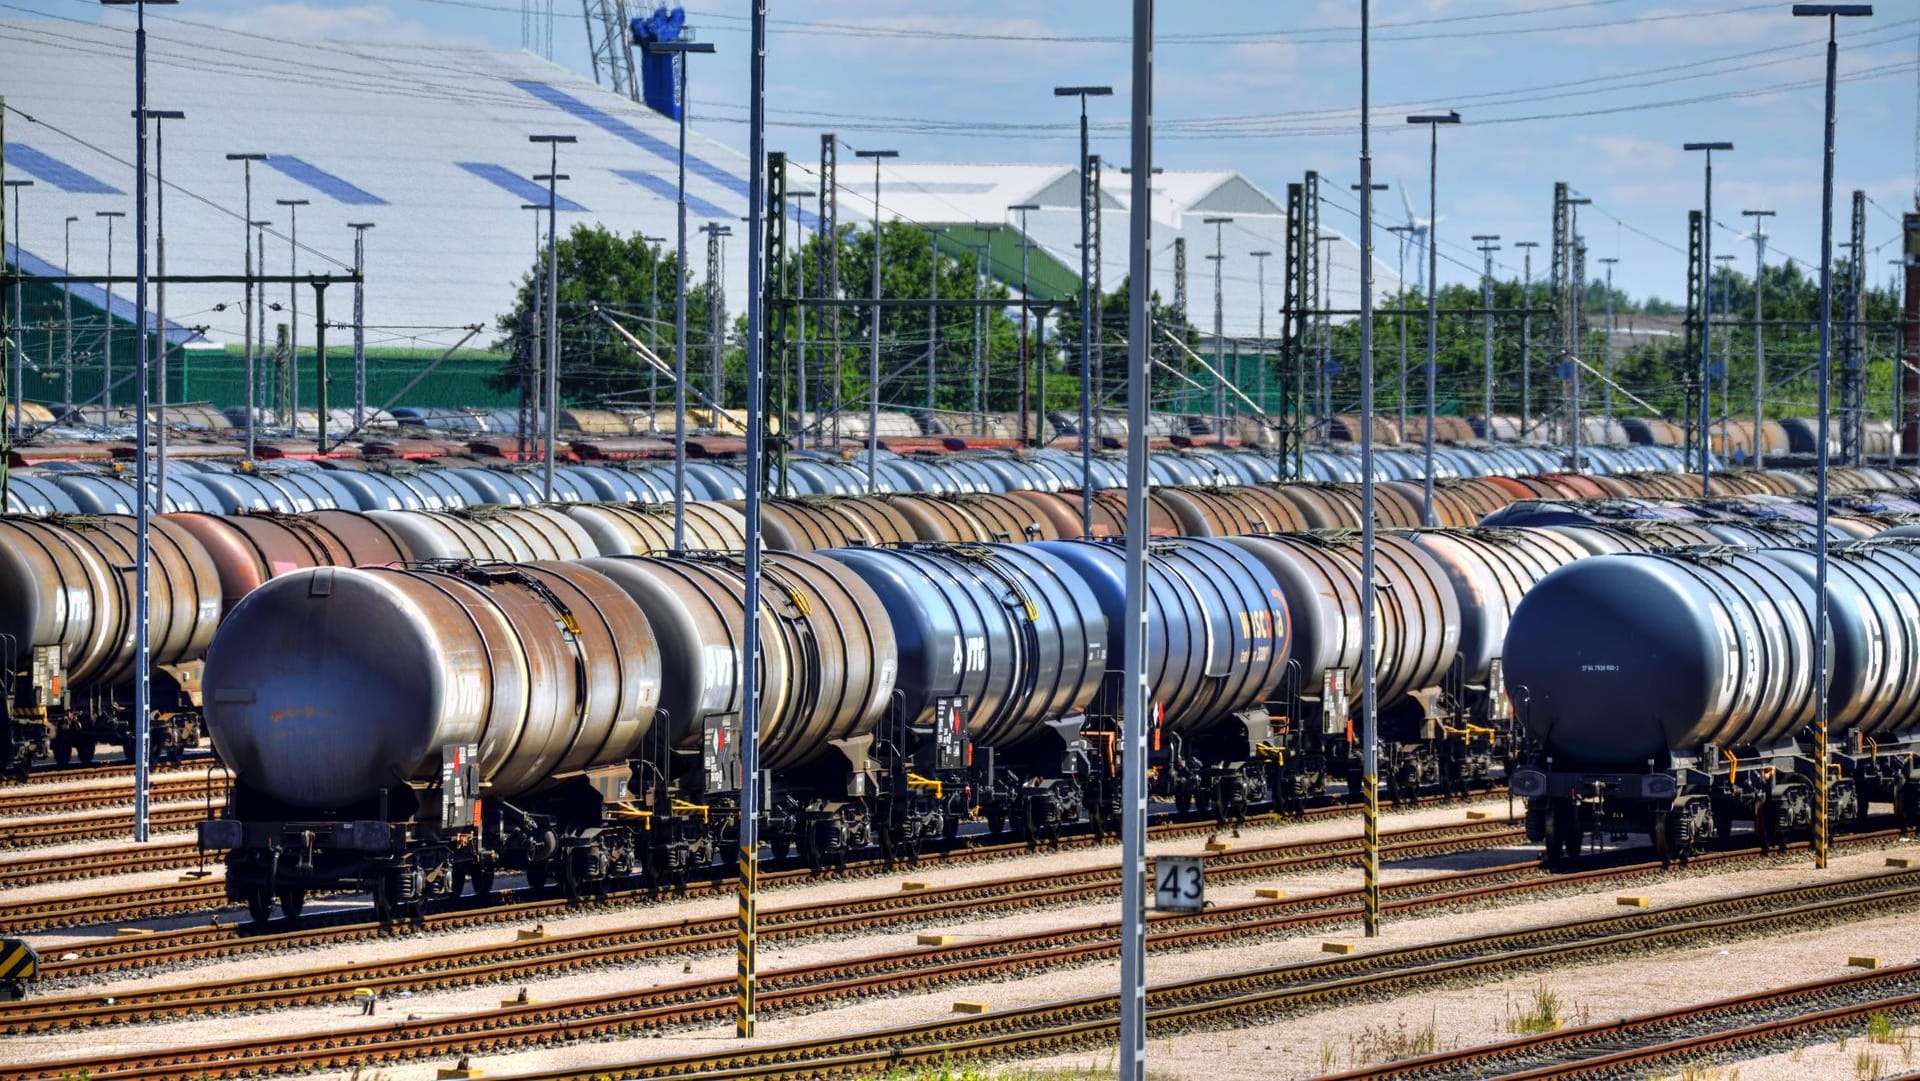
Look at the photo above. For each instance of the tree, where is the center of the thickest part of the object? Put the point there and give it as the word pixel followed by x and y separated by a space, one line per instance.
pixel 597 267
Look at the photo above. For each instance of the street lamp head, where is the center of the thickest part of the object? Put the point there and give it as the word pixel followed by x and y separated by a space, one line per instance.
pixel 876 154
pixel 1526 243
pixel 292 202
pixel 1843 11
pixel 1451 116
pixel 801 194
pixel 261 224
pixel 1261 254
pixel 246 157
pixel 1706 146
pixel 1579 201
pixel 674 48
pixel 160 114
pixel 19 183
pixel 359 225
pixel 553 139
pixel 1128 170
pixel 1023 206
pixel 552 176
pixel 1373 187
pixel 1610 260
pixel 1486 236
pixel 109 213
pixel 71 218
pixel 1215 221
pixel 1088 91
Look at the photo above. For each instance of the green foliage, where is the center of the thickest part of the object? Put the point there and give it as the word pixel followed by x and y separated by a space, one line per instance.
pixel 618 273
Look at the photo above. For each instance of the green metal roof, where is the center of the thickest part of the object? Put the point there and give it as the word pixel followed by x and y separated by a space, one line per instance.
pixel 1047 277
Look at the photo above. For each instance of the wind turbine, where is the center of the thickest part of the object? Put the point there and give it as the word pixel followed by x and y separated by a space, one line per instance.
pixel 1416 231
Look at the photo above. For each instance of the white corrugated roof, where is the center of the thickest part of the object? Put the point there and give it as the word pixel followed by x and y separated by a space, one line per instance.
pixel 431 145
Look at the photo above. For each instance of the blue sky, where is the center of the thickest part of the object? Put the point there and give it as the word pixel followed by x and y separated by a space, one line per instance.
pixel 1600 93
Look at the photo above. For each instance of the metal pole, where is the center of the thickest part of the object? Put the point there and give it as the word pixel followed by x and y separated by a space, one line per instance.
pixel 246 309
pixel 1726 349
pixel 1086 331
pixel 749 857
pixel 1433 122
pixel 873 346
pixel 1219 259
pixel 1401 280
pixel 66 322
pixel 1026 373
pixel 1821 750
pixel 16 393
pixel 160 297
pixel 1133 754
pixel 1369 720
pixel 360 322
pixel 1759 340
pixel 1606 392
pixel 1487 248
pixel 553 312
pixel 1526 335
pixel 979 338
pixel 293 313
pixel 933 316
pixel 1433 316
pixel 653 335
pixel 260 308
pixel 106 379
pixel 681 50
pixel 142 507
pixel 1705 418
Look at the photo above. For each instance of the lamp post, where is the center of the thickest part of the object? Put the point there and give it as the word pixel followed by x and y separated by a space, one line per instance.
pixel 141 561
pixel 1526 335
pixel 260 309
pixel 1088 208
pixel 66 323
pixel 1433 122
pixel 1487 248
pixel 1606 391
pixel 1832 13
pixel 1759 342
pixel 246 313
pixel 293 312
pixel 873 346
pixel 360 322
pixel 159 118
pixel 106 378
pixel 536 339
pixel 682 49
pixel 1026 376
pixel 1260 327
pixel 553 176
pixel 1706 311
pixel 653 331
pixel 16 398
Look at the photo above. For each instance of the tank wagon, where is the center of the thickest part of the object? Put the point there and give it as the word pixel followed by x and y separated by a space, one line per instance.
pixel 1671 693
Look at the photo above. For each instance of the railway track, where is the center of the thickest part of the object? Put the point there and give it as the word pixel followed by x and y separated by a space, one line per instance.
pixel 145 903
pixel 1051 1027
pixel 99 825
pixel 48 773
pixel 36 800
pixel 155 856
pixel 1748 1024
pixel 524 959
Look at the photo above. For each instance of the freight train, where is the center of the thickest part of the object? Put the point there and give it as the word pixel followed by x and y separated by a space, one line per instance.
pixel 1673 693
pixel 579 721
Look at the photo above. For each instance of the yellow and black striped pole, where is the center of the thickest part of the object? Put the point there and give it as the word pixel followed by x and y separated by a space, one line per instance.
pixel 1370 858
pixel 747 988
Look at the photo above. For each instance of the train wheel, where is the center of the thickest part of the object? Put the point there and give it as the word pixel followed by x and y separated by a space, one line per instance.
pixel 292 900
pixel 537 874
pixel 1566 826
pixel 482 883
pixel 62 751
pixel 382 903
pixel 260 904
pixel 87 747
